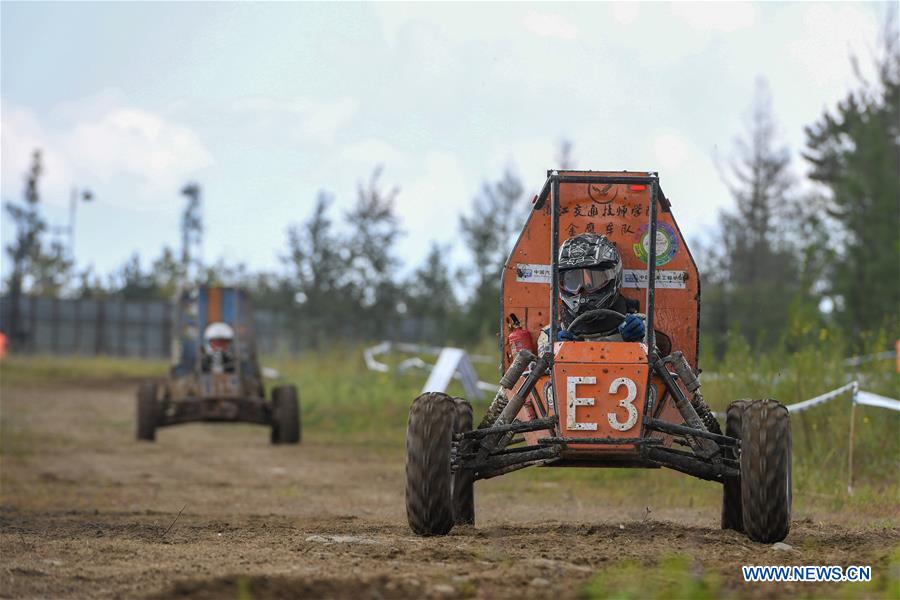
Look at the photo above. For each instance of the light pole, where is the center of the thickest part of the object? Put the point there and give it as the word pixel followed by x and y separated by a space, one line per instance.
pixel 85 195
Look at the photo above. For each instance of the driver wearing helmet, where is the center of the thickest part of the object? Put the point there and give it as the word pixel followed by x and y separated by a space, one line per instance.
pixel 590 276
pixel 218 354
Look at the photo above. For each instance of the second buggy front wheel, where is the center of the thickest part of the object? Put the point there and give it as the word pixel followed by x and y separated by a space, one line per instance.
pixel 286 428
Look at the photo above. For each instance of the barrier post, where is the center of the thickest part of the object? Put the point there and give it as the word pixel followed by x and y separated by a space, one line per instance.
pixel 853 393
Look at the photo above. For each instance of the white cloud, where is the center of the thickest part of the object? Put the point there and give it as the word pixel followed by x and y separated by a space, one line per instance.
pixel 549 25
pixel 130 141
pixel 430 204
pixel 372 151
pixel 310 120
pixel 528 158
pixel 716 16
pixel 830 34
pixel 89 107
pixel 127 143
pixel 670 150
pixel 625 13
pixel 20 135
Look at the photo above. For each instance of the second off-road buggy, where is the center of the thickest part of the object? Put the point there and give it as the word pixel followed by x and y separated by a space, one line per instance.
pixel 601 403
pixel 201 389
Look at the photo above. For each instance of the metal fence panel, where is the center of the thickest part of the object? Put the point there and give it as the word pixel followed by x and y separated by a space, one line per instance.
pixel 143 328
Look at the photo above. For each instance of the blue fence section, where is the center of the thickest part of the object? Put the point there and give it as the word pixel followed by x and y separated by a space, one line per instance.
pixel 118 327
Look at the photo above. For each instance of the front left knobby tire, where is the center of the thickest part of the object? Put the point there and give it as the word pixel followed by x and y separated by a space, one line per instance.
pixel 429 480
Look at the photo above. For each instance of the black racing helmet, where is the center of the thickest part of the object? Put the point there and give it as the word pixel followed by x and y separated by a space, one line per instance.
pixel 590 273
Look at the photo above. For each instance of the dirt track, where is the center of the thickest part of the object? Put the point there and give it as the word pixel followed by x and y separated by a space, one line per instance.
pixel 89 512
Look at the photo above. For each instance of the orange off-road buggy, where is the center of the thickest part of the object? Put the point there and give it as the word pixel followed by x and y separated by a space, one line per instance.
pixel 600 403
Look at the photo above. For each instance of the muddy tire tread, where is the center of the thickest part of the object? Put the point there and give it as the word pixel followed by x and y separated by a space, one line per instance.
pixel 766 471
pixel 463 480
pixel 429 494
pixel 731 488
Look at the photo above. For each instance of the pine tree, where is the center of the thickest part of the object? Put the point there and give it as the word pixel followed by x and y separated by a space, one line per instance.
pixel 750 277
pixel 497 216
pixel 431 297
pixel 854 151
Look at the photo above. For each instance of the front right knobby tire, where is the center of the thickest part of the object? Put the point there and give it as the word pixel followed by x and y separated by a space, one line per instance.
pixel 732 517
pixel 429 481
pixel 766 471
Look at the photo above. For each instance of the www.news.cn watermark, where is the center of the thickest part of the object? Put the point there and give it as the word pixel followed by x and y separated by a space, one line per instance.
pixel 807 573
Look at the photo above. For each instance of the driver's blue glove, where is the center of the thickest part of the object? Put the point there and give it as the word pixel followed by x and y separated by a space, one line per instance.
pixel 564 336
pixel 632 328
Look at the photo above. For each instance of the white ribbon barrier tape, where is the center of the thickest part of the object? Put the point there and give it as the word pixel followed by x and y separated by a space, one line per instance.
pixel 465 374
pixel 871 399
pixel 369 356
pixel 435 350
pixel 855 361
pixel 859 397
pixel 801 406
pixel 270 373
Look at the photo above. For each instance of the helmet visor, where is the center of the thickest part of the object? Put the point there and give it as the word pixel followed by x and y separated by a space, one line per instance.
pixel 586 280
pixel 219 344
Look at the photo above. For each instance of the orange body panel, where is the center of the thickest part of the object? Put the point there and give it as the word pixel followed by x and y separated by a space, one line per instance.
pixel 214 305
pixel 621 214
pixel 601 386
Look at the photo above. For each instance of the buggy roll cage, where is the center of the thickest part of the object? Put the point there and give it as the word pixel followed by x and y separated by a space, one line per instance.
pixel 551 189
pixel 707 457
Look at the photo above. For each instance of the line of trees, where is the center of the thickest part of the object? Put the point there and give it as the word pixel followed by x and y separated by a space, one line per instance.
pixel 794 254
pixel 794 257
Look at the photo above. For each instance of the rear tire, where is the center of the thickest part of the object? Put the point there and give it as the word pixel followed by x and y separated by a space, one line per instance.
pixel 766 471
pixel 463 479
pixel 147 411
pixel 286 428
pixel 429 482
pixel 731 490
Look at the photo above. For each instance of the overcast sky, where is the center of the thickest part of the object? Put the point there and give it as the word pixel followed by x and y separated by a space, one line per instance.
pixel 264 104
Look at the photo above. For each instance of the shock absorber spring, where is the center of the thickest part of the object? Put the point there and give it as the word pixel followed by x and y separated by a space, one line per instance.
pixel 509 379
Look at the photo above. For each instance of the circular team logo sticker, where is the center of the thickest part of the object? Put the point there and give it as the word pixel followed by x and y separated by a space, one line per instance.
pixel 602 193
pixel 666 243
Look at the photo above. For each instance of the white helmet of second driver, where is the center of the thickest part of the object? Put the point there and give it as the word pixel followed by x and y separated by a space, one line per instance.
pixel 218 336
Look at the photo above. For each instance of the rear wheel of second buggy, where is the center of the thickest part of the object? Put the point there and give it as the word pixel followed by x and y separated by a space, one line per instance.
pixel 766 471
pixel 147 411
pixel 286 427
pixel 731 489
pixel 463 479
pixel 429 481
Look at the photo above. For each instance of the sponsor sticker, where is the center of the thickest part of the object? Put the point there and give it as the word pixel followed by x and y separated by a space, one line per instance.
pixel 637 278
pixel 526 273
pixel 666 243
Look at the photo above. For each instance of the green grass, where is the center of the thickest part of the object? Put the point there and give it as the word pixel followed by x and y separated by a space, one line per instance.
pixel 19 370
pixel 821 434
pixel 680 576
pixel 673 577
pixel 343 402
